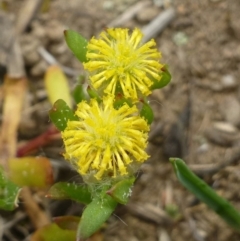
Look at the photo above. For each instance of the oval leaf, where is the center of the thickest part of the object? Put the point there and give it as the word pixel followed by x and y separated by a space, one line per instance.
pixel 77 43
pixel 206 194
pixel 165 79
pixel 57 85
pixel 64 190
pixel 31 171
pixel 60 114
pixel 95 214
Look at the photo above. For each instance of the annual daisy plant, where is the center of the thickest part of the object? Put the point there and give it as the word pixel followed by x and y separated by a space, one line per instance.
pixel 105 137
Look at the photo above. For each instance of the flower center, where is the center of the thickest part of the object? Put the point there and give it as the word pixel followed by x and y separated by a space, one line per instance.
pixel 106 134
pixel 124 59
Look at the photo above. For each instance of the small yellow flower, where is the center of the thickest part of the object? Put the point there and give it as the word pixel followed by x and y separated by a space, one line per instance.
pixel 119 60
pixel 105 142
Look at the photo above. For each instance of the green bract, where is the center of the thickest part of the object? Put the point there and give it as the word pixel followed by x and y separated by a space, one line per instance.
pixel 122 190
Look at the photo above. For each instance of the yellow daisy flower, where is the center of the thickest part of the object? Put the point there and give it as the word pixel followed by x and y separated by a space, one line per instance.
pixel 106 142
pixel 118 59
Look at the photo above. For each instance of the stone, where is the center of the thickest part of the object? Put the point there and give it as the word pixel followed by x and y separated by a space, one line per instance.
pixel 54 31
pixel 230 109
pixel 229 82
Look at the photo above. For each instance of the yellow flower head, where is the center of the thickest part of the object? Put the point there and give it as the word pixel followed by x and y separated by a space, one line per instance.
pixel 119 60
pixel 105 142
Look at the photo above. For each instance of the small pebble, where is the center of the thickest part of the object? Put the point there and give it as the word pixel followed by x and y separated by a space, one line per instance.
pixel 230 109
pixel 29 45
pixel 31 58
pixel 58 49
pixel 39 69
pixel 54 31
pixel 39 32
pixel 229 82
pixel 180 38
pixel 225 127
pixel 203 148
pixel 222 134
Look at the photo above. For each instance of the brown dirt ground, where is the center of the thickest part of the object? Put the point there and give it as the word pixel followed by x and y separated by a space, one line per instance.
pixel 201 47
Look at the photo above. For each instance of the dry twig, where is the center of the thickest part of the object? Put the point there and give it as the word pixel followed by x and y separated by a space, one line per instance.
pixel 158 24
pixel 150 212
pixel 26 14
pixel 129 13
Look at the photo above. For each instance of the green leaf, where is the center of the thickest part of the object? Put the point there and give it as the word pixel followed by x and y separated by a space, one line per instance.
pixel 60 114
pixel 8 192
pixel 77 43
pixel 122 190
pixel 95 214
pixel 64 190
pixel 147 112
pixel 31 171
pixel 165 79
pixel 206 194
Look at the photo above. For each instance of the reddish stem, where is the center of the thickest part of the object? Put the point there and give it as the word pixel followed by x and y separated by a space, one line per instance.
pixel 37 142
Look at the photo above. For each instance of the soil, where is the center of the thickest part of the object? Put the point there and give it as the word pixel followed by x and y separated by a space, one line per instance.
pixel 197 116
